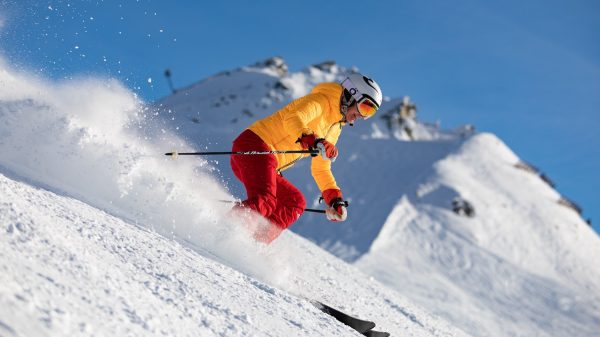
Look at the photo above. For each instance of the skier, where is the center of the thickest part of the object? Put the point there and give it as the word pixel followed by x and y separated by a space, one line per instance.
pixel 312 122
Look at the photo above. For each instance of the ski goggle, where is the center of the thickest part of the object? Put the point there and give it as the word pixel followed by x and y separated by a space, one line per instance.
pixel 366 107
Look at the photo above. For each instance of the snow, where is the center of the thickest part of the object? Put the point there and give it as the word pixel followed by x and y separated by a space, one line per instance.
pixel 69 269
pixel 524 263
pixel 104 235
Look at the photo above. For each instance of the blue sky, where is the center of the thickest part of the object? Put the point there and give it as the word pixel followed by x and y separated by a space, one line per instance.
pixel 528 71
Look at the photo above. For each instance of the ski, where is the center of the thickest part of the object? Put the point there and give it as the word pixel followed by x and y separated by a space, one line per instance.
pixel 373 333
pixel 359 325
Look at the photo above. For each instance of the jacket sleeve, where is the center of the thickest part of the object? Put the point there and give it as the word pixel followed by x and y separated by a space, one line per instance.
pixel 321 168
pixel 321 172
pixel 300 112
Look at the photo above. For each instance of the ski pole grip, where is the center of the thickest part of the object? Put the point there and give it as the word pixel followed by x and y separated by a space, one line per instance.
pixel 173 154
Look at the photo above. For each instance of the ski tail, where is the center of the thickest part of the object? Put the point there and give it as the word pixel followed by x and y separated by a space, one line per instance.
pixel 362 326
pixel 373 333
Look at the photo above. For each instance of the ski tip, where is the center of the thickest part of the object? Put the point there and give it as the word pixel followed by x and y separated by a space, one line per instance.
pixel 317 304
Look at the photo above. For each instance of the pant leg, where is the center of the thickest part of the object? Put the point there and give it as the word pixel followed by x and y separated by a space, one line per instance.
pixel 257 173
pixel 290 204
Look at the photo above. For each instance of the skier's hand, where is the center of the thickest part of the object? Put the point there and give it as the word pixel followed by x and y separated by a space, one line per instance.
pixel 308 142
pixel 337 211
pixel 326 149
pixel 336 206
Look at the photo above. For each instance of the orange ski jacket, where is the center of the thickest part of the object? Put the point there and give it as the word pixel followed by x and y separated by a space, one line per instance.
pixel 318 113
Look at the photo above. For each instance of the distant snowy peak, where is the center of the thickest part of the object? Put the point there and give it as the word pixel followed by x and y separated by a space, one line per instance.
pixel 326 71
pixel 267 82
pixel 276 64
pixel 300 83
pixel 277 68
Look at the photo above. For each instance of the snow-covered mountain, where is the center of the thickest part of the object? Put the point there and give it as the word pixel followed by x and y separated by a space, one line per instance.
pixel 105 235
pixel 521 264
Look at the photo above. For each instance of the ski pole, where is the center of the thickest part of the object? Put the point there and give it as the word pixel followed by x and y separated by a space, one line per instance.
pixel 306 209
pixel 175 153
pixel 314 210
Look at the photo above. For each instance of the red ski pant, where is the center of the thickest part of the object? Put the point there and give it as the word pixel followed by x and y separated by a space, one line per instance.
pixel 269 193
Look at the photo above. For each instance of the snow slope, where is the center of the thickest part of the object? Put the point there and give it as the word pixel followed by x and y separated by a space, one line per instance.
pixel 522 266
pixel 101 234
pixel 69 269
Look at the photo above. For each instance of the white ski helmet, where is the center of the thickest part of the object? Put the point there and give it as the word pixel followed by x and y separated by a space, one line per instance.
pixel 362 87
